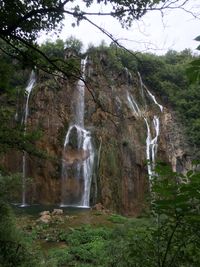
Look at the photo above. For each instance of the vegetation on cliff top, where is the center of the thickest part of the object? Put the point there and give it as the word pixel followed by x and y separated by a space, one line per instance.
pixel 23 21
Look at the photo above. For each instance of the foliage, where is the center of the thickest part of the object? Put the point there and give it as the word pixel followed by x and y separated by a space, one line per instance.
pixel 58 257
pixel 74 44
pixel 85 247
pixel 15 249
pixel 23 21
pixel 57 54
pixel 9 184
pixel 53 49
pixel 116 218
pixel 56 50
pixel 12 96
pixel 193 70
pixel 176 206
pixel 12 134
pixel 132 244
pixel 169 236
pixel 26 19
pixel 85 234
pixel 103 55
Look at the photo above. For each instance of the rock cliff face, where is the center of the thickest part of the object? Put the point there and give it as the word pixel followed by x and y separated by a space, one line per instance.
pixel 173 143
pixel 116 106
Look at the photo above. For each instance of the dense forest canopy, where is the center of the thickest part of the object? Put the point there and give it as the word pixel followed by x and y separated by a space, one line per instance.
pixel 23 21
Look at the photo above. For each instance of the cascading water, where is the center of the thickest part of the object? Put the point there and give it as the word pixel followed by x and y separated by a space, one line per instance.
pixel 133 105
pixel 28 90
pixel 152 145
pixel 154 99
pixel 78 154
pixel 153 125
pixel 151 142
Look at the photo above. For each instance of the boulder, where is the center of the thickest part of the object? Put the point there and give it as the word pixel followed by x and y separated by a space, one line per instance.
pixel 46 218
pixel 57 212
pixel 98 207
pixel 45 212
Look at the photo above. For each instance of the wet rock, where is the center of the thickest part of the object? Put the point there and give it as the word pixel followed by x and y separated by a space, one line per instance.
pixel 101 208
pixel 45 212
pixel 71 156
pixel 46 218
pixel 98 207
pixel 57 212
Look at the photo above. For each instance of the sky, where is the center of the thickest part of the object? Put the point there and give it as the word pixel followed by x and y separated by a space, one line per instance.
pixel 154 33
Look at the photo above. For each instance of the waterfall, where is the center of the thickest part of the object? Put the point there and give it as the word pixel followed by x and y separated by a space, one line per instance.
pixel 78 154
pixel 133 105
pixel 152 125
pixel 153 129
pixel 154 100
pixel 152 144
pixel 28 90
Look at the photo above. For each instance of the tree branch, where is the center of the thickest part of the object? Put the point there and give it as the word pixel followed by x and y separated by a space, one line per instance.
pixel 51 62
pixel 111 37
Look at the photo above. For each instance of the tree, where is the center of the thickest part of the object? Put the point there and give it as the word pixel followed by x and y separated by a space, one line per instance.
pixel 170 238
pixel 193 70
pixel 74 44
pixel 175 203
pixel 22 21
pixel 53 49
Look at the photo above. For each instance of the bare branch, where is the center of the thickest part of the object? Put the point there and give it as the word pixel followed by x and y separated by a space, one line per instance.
pixel 111 37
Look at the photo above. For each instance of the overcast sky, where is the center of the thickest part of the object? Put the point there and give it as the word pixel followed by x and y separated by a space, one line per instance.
pixel 154 33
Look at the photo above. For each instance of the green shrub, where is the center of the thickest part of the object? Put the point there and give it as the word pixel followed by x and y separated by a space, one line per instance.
pixel 116 218
pixel 58 257
pixel 15 249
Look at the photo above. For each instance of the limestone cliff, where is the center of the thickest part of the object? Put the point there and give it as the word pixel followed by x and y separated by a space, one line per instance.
pixel 119 134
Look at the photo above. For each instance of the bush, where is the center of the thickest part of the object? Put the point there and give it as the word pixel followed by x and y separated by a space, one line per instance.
pixel 14 248
pixel 116 218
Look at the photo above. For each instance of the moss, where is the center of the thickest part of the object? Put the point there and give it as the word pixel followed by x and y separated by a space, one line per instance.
pixel 110 158
pixel 110 172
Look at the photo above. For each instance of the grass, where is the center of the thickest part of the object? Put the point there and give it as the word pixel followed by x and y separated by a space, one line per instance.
pixel 81 240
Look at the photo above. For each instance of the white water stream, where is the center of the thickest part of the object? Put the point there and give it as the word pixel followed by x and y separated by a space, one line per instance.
pixel 152 125
pixel 28 90
pixel 152 144
pixel 79 195
pixel 133 105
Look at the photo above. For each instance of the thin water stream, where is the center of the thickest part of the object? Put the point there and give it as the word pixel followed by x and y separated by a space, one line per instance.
pixel 152 125
pixel 28 90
